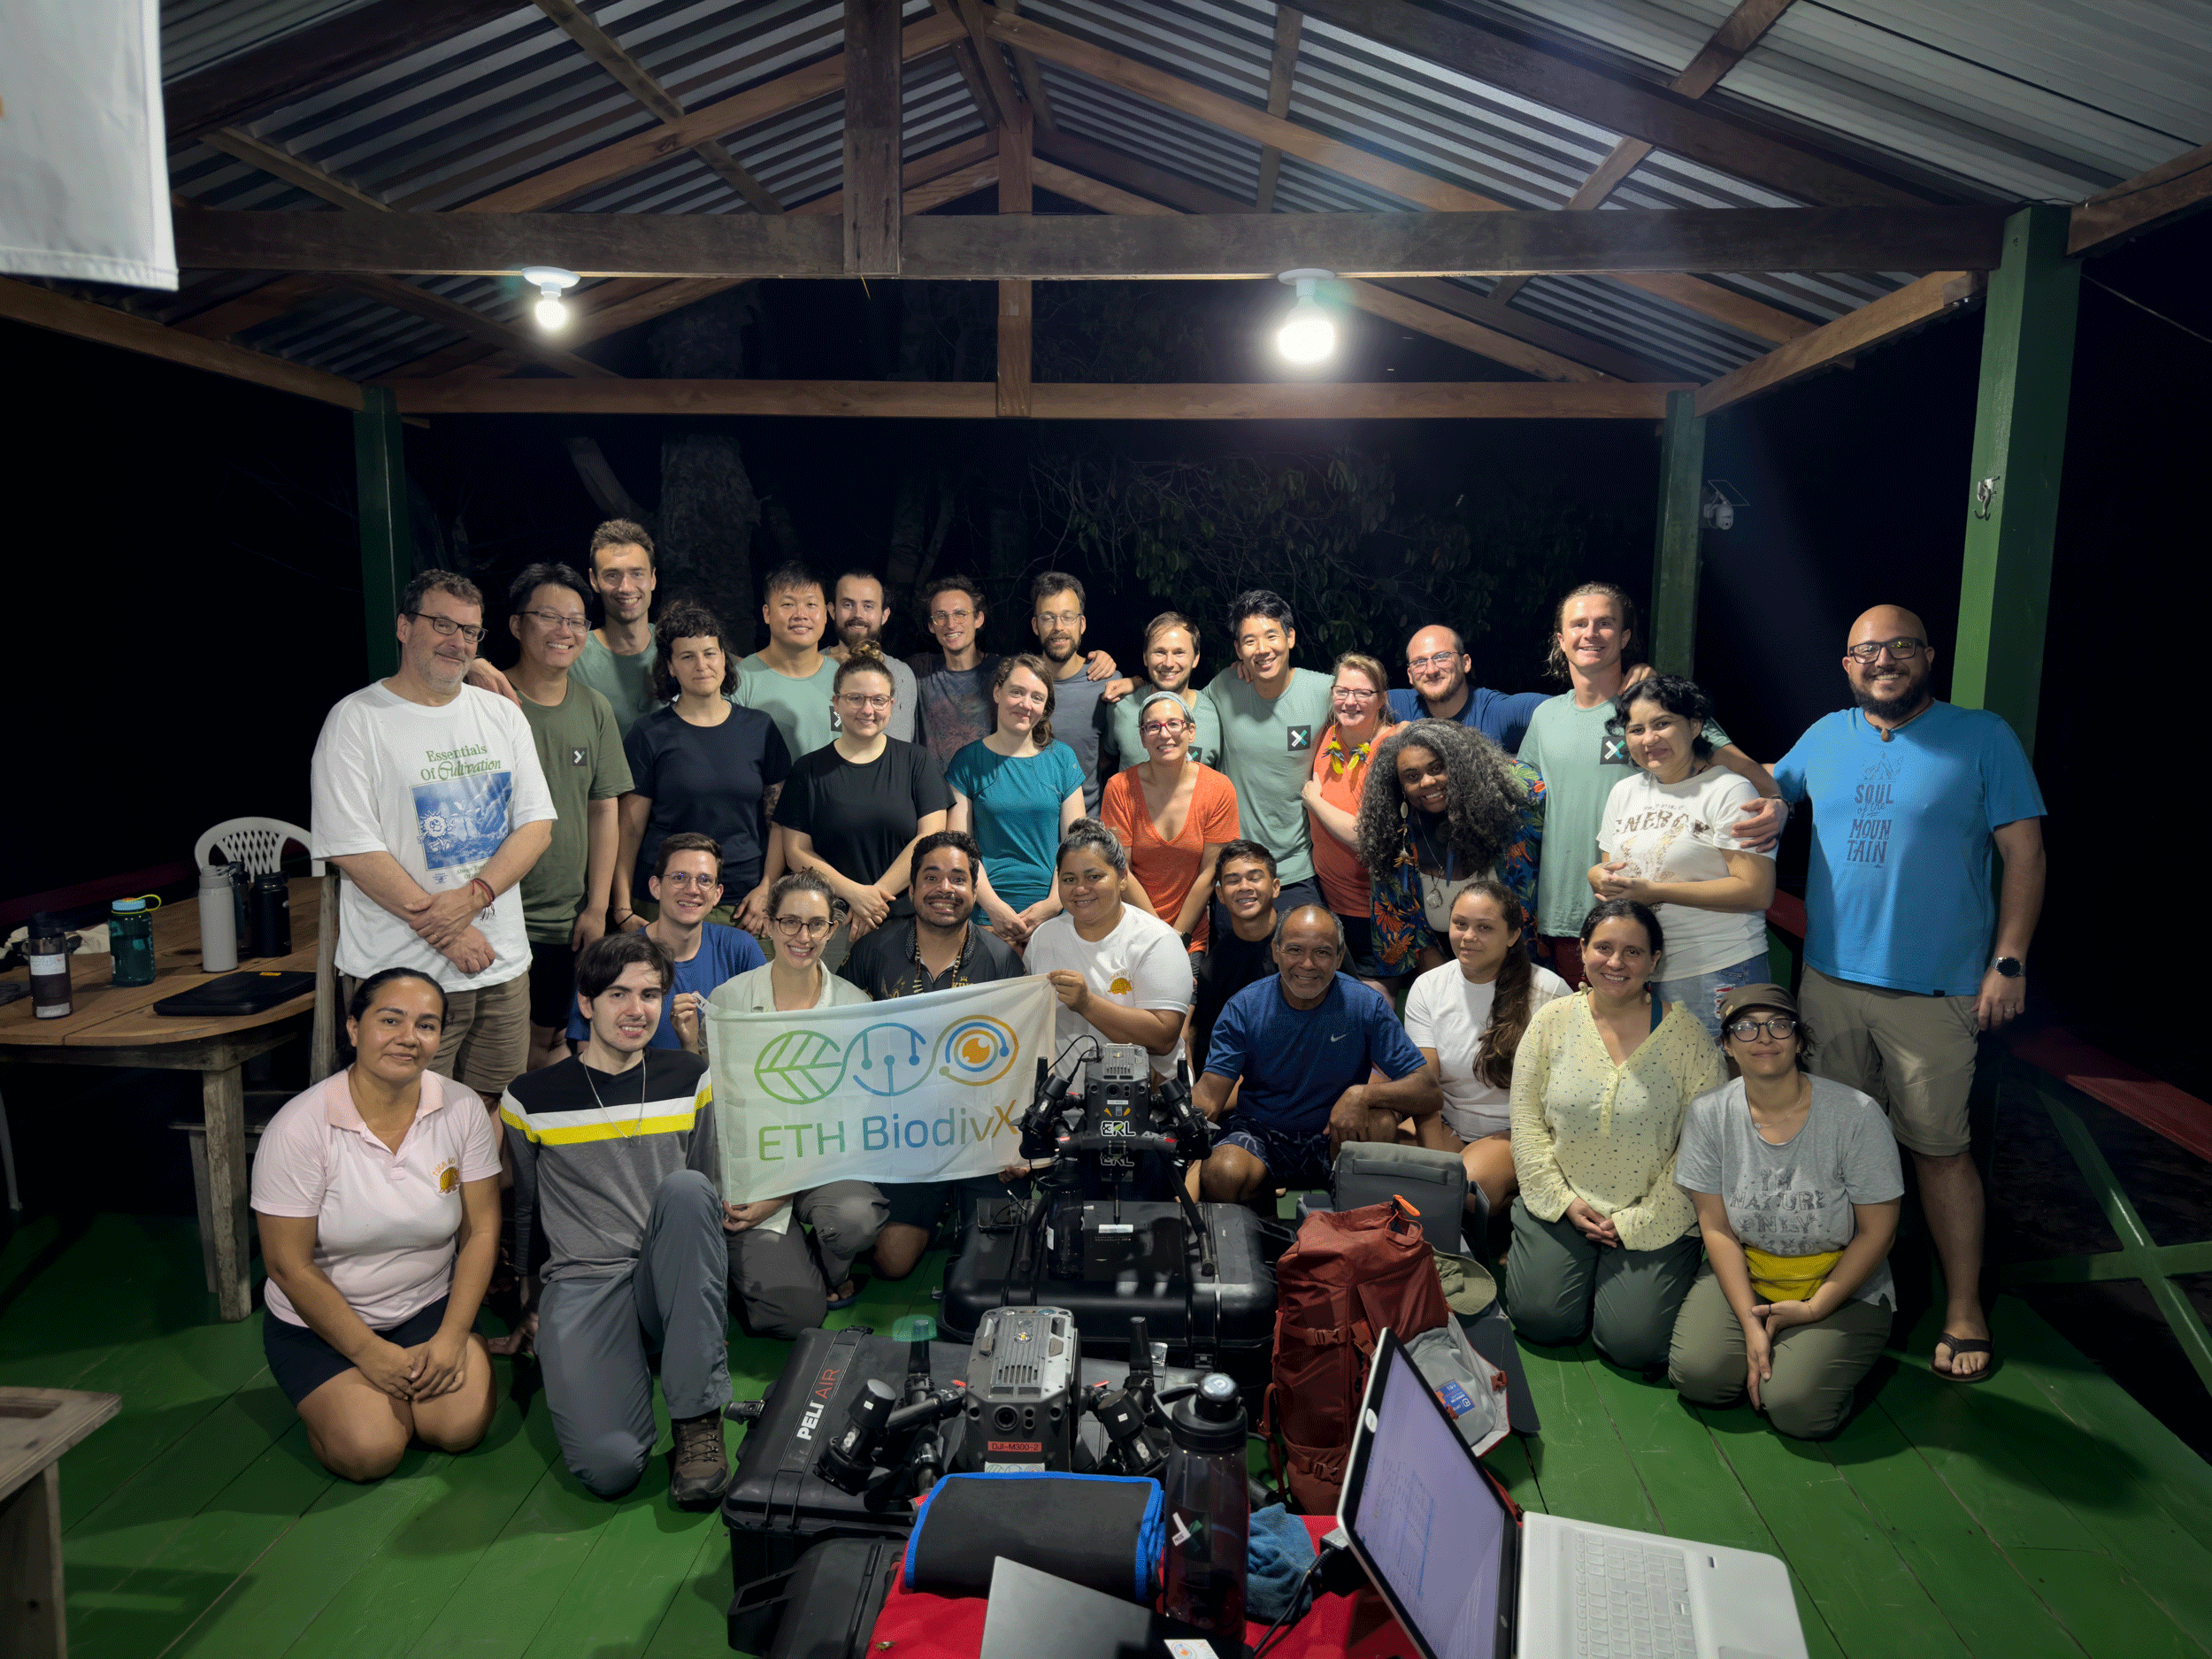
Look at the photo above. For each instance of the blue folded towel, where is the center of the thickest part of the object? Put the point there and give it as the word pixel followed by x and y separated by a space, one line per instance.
pixel 1276 1554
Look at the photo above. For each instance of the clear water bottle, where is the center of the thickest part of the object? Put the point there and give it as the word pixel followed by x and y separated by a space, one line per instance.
pixel 1208 1511
pixel 131 939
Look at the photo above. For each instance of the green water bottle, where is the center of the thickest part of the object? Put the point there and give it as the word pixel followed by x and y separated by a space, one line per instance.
pixel 130 938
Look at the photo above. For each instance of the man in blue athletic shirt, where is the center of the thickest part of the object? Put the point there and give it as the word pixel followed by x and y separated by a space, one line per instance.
pixel 1437 666
pixel 1301 1049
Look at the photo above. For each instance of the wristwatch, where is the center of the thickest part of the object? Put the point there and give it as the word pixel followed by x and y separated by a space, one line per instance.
pixel 2011 967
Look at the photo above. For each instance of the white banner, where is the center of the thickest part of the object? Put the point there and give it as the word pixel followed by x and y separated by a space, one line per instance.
pixel 919 1088
pixel 84 156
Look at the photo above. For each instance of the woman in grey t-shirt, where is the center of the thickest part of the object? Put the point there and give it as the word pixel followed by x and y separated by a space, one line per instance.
pixel 1797 1184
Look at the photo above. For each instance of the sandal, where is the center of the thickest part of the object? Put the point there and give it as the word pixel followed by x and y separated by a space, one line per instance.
pixel 1959 1345
pixel 851 1288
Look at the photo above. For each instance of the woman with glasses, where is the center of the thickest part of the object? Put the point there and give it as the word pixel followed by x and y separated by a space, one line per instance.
pixel 1443 809
pixel 1359 703
pixel 1173 815
pixel 1665 841
pixel 784 1283
pixel 1604 1242
pixel 1797 1184
pixel 1017 792
pixel 704 765
pixel 854 807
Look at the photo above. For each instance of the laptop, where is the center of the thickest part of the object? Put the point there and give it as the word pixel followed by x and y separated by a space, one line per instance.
pixel 1467 1582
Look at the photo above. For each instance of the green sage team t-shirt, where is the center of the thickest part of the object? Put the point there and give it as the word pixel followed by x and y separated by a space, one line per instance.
pixel 800 708
pixel 626 682
pixel 579 750
pixel 1579 762
pixel 1267 750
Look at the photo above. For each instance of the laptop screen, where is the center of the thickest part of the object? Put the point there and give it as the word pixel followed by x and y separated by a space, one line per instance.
pixel 1425 1518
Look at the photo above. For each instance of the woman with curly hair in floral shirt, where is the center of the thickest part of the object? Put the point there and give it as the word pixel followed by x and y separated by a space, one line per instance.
pixel 1444 807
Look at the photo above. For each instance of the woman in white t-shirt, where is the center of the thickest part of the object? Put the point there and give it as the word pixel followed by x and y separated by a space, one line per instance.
pixel 1666 841
pixel 1466 1017
pixel 377 1195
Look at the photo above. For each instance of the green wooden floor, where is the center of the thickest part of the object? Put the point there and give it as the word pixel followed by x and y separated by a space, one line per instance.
pixel 2042 1513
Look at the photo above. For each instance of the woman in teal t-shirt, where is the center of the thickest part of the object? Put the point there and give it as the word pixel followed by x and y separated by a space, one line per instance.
pixel 1015 792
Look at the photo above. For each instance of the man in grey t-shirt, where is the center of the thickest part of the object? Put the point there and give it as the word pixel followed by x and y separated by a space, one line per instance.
pixel 1078 721
pixel 856 614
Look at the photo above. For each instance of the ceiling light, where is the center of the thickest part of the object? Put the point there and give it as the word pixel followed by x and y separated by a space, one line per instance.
pixel 550 281
pixel 1307 335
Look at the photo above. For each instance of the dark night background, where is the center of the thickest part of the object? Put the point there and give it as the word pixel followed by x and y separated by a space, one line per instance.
pixel 189 597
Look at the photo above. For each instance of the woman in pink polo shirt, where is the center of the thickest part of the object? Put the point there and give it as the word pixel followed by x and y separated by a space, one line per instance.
pixel 377 1194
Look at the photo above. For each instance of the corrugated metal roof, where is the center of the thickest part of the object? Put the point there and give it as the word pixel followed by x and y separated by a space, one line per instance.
pixel 2007 99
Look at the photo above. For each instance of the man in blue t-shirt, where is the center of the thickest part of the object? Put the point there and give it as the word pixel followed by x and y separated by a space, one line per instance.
pixel 686 884
pixel 1907 959
pixel 1288 1068
pixel 1436 688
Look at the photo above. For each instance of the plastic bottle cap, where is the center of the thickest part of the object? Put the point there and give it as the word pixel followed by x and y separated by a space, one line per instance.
pixel 1210 1420
pixel 124 907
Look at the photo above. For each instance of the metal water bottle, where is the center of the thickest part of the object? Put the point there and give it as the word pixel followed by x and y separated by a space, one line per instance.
pixel 1208 1511
pixel 273 912
pixel 218 921
pixel 242 908
pixel 46 942
pixel 131 939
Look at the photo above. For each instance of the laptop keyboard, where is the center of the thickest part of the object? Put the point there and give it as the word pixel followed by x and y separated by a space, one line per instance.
pixel 1631 1600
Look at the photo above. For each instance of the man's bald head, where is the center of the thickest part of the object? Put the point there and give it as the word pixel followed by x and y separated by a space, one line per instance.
pixel 1887 622
pixel 1308 947
pixel 1890 684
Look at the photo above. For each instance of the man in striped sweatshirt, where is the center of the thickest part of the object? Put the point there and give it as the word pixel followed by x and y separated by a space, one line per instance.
pixel 614 1157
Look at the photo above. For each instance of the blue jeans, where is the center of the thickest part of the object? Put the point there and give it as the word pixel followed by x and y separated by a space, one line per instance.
pixel 1702 993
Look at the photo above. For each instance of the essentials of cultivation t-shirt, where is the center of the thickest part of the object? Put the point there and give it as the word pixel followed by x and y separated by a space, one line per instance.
pixel 706 781
pixel 1579 762
pixel 626 682
pixel 579 751
pixel 1448 1012
pixel 860 815
pixel 439 789
pixel 1014 803
pixel 1140 964
pixel 1078 721
pixel 1682 831
pixel 800 708
pixel 1501 715
pixel 724 953
pixel 1296 1061
pixel 1128 743
pixel 953 704
pixel 1267 751
pixel 1795 1199
pixel 1900 892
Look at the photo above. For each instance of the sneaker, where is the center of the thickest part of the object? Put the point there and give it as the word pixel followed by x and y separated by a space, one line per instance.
pixel 698 1468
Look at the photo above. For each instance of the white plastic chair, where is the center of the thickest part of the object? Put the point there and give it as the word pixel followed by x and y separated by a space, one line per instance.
pixel 256 842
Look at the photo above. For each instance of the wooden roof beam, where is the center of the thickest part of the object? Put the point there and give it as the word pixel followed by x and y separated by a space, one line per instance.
pixel 2172 188
pixel 1885 318
pixel 638 82
pixel 1033 79
pixel 1289 24
pixel 874 125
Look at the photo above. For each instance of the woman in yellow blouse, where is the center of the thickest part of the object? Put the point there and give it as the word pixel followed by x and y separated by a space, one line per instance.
pixel 1603 1240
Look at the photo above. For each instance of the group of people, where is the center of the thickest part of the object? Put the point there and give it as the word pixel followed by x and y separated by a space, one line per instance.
pixel 1526 930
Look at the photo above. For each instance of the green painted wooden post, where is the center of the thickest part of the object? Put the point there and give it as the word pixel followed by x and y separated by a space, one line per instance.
pixel 2019 444
pixel 387 558
pixel 1673 642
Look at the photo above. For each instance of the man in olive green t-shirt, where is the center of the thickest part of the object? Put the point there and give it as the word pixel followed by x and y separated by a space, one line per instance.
pixel 1272 717
pixel 580 750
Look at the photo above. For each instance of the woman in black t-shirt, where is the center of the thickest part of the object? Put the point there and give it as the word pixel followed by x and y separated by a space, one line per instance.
pixel 703 764
pixel 856 807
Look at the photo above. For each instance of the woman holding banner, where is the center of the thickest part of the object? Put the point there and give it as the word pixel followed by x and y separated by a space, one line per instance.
pixel 779 1278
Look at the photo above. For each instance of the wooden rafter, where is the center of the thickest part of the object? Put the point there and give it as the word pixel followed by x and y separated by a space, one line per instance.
pixel 239 145
pixel 970 67
pixel 1017 300
pixel 1618 103
pixel 985 247
pixel 467 320
pixel 1410 184
pixel 1289 24
pixel 2172 188
pixel 977 400
pixel 43 308
pixel 976 17
pixel 1033 79
pixel 638 82
pixel 1881 319
pixel 1738 32
pixel 253 308
pixel 1479 308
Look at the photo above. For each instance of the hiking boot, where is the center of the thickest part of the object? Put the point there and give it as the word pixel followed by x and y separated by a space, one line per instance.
pixel 698 1468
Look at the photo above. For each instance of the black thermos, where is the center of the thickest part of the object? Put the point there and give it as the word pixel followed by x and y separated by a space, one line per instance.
pixel 273 913
pixel 241 893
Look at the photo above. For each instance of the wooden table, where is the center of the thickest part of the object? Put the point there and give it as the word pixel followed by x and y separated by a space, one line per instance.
pixel 37 1426
pixel 116 1025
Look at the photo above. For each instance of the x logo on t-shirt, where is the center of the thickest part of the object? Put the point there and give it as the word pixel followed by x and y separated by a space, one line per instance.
pixel 576 756
pixel 1301 737
pixel 1613 751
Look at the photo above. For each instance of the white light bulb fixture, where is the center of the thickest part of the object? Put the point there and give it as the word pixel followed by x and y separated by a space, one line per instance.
pixel 1307 335
pixel 552 283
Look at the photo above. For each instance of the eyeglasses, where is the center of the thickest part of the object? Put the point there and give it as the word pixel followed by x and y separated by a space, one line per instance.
pixel 1059 619
pixel 855 700
pixel 1901 650
pixel 447 626
pixel 802 926
pixel 1160 728
pixel 1779 1026
pixel 1345 693
pixel 1435 659
pixel 684 878
pixel 573 621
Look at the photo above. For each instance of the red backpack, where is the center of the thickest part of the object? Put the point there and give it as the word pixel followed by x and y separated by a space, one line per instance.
pixel 1351 1274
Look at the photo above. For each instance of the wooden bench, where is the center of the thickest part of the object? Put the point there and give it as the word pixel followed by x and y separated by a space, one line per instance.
pixel 37 1426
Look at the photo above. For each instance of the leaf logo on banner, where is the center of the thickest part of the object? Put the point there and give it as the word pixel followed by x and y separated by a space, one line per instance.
pixel 800 1067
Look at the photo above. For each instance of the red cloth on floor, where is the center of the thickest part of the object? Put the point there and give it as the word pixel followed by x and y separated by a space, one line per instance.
pixel 918 1627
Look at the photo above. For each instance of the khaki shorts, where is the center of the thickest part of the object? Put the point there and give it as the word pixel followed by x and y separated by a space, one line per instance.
pixel 487 1040
pixel 1913 1053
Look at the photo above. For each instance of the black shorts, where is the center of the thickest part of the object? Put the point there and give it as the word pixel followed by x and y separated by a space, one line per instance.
pixel 1293 1158
pixel 552 984
pixel 301 1361
pixel 921 1203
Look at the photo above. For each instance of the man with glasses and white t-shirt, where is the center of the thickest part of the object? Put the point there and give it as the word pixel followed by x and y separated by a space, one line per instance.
pixel 429 799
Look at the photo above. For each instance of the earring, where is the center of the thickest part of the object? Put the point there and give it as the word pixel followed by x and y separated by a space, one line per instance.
pixel 1402 810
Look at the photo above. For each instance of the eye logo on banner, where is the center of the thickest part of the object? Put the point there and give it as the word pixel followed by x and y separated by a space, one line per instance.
pixel 978 1051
